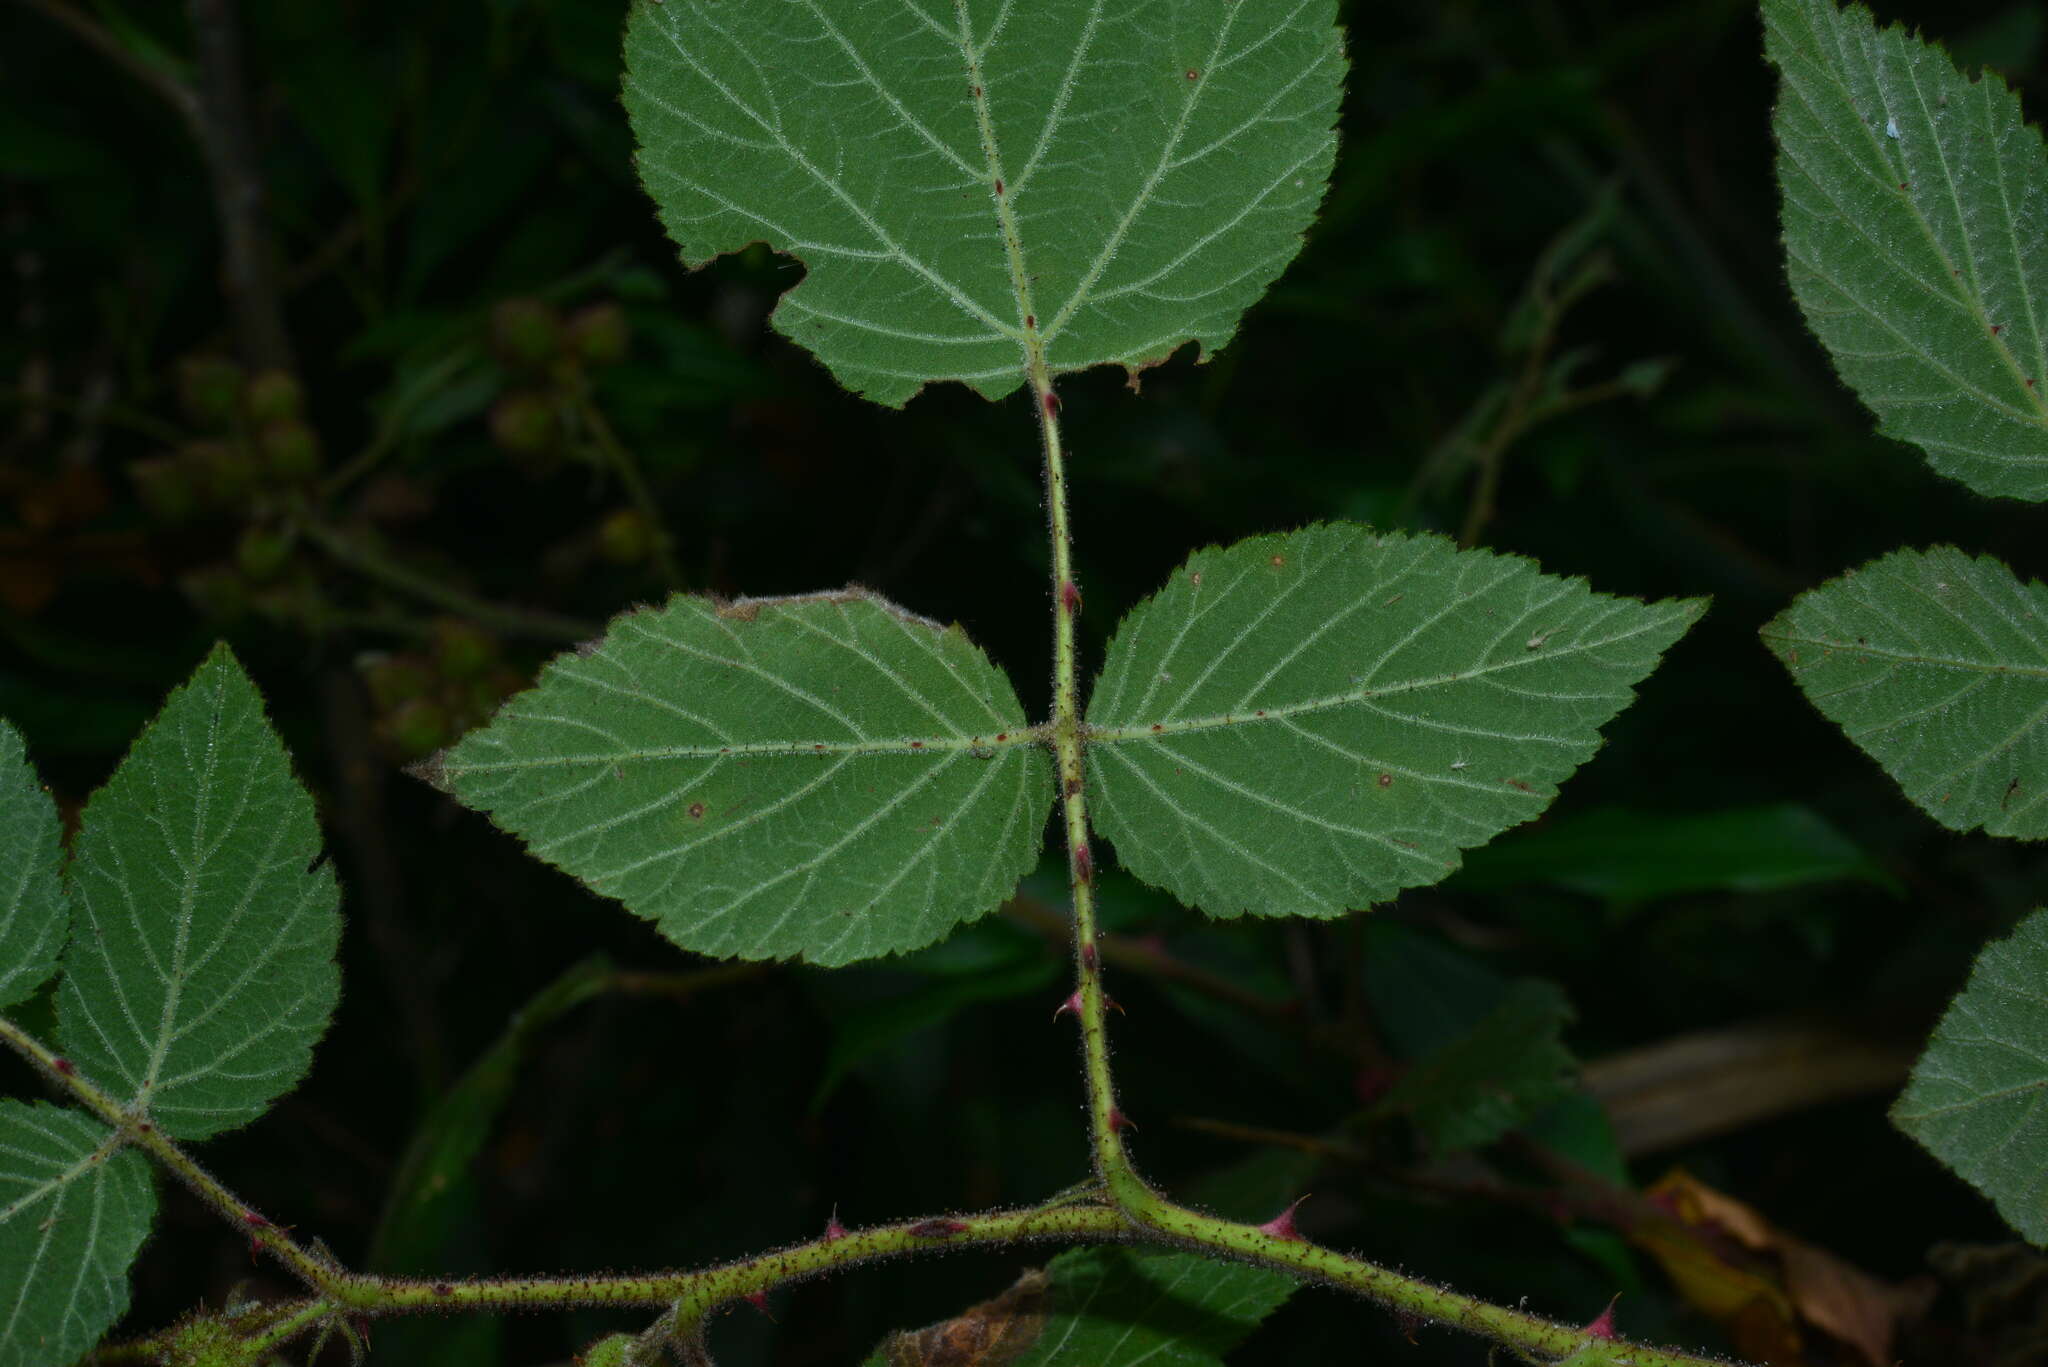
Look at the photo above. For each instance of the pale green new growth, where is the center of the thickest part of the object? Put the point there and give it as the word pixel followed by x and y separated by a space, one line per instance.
pixel 33 918
pixel 1307 723
pixel 1936 664
pixel 827 776
pixel 970 181
pixel 1915 209
pixel 201 971
pixel 1979 1095
pixel 74 1209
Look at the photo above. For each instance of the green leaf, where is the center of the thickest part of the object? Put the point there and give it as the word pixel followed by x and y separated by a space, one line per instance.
pixel 432 1195
pixel 33 918
pixel 1120 1307
pixel 1105 1307
pixel 1936 664
pixel 1503 1071
pixel 827 777
pixel 1978 1098
pixel 74 1208
pixel 1630 856
pixel 1913 199
pixel 201 972
pixel 1305 723
pixel 979 183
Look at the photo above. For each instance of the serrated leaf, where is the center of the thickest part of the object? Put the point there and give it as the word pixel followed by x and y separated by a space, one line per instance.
pixel 1510 1065
pixel 1305 723
pixel 1105 1307
pixel 33 917
pixel 1978 1098
pixel 1913 200
pixel 827 777
pixel 201 969
pixel 74 1208
pixel 1936 664
pixel 970 184
pixel 1120 1307
pixel 1629 856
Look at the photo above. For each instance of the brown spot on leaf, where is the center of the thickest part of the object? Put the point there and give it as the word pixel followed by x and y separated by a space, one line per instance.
pixel 1518 785
pixel 696 811
pixel 1278 561
pixel 1386 780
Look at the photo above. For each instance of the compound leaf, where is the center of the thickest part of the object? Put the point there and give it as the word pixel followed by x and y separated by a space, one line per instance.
pixel 1913 200
pixel 33 918
pixel 202 969
pixel 980 185
pixel 827 777
pixel 1305 723
pixel 1936 664
pixel 1978 1098
pixel 74 1208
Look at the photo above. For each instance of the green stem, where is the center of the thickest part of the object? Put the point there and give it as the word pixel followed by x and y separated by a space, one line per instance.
pixel 373 564
pixel 628 471
pixel 137 1130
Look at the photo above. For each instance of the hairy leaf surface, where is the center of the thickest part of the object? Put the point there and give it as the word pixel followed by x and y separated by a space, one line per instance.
pixel 1305 723
pixel 1914 206
pixel 1097 181
pixel 33 917
pixel 202 969
pixel 1978 1098
pixel 74 1209
pixel 1936 664
pixel 826 777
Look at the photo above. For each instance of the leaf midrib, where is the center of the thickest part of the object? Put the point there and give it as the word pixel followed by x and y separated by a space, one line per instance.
pixel 1999 667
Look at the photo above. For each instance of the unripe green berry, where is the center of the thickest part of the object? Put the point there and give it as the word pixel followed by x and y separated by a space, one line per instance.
pixel 526 332
pixel 273 396
pixel 393 679
pixel 598 333
pixel 626 537
pixel 463 649
pixel 291 451
pixel 217 592
pixel 209 388
pixel 419 726
pixel 228 468
pixel 523 423
pixel 167 488
pixel 262 552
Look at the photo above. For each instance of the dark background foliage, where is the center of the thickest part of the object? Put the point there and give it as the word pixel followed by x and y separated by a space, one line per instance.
pixel 501 372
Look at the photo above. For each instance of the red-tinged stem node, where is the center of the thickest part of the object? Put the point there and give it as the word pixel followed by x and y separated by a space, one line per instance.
pixel 833 1229
pixel 1084 866
pixel 1281 1226
pixel 64 1066
pixel 1052 404
pixel 1090 959
pixel 1602 1326
pixel 936 1229
pixel 759 1300
pixel 1071 1005
pixel 1070 597
pixel 1119 1121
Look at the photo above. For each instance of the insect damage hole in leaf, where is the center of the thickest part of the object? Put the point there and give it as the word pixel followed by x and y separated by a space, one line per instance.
pixel 1305 723
pixel 982 186
pixel 825 776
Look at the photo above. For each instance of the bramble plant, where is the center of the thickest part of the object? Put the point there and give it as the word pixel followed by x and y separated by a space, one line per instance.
pixel 1302 724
